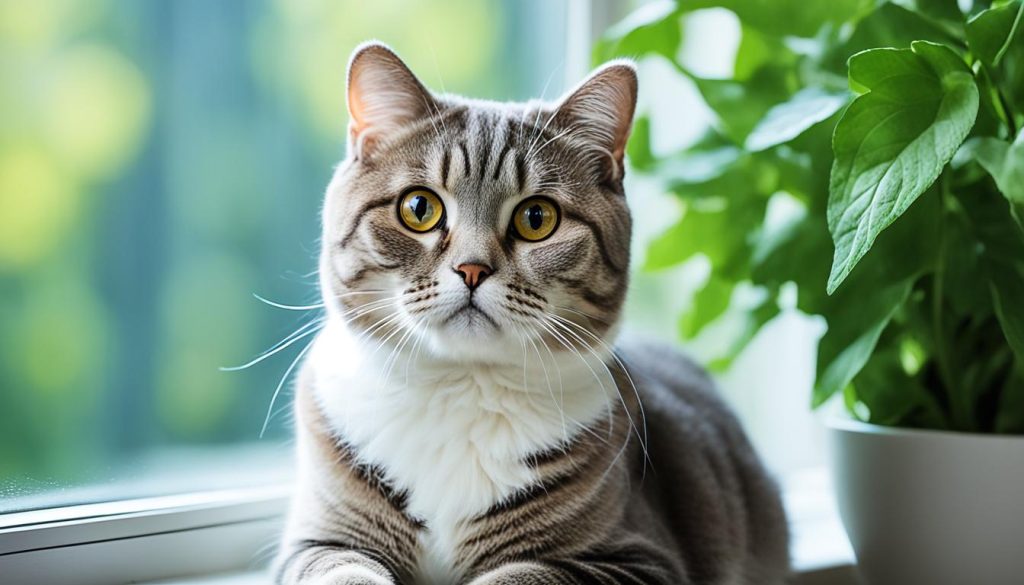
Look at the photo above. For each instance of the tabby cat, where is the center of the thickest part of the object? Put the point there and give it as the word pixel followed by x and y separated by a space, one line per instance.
pixel 462 416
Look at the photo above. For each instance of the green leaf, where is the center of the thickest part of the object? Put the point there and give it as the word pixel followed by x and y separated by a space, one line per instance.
pixel 850 341
pixel 638 149
pixel 1007 285
pixel 1003 259
pixel 1001 237
pixel 888 25
pixel 773 265
pixel 654 28
pixel 935 9
pixel 757 49
pixel 709 304
pixel 700 166
pixel 717 169
pixel 991 33
pixel 996 37
pixel 786 17
pixel 858 312
pixel 755 319
pixel 1010 417
pixel 790 119
pixel 718 232
pixel 890 395
pixel 892 142
pixel 668 249
pixel 1005 162
pixel 740 105
pixel 964 273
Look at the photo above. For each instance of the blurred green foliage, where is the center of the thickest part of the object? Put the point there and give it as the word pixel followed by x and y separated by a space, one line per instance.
pixel 879 138
pixel 162 160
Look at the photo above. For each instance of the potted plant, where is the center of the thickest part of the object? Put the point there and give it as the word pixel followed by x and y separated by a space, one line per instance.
pixel 889 133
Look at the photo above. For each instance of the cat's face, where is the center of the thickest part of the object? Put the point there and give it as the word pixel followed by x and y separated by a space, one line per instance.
pixel 473 229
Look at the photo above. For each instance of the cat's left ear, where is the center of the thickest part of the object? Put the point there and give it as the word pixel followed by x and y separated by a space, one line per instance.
pixel 384 97
pixel 600 110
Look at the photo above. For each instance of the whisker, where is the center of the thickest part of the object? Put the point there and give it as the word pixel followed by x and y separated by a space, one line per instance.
pixel 561 339
pixel 414 355
pixel 641 438
pixel 380 324
pixel 561 392
pixel 582 314
pixel 540 108
pixel 554 138
pixel 389 364
pixel 366 309
pixel 611 425
pixel 360 292
pixel 526 388
pixel 622 366
pixel 551 391
pixel 280 385
pixel 285 343
pixel 539 134
pixel 288 307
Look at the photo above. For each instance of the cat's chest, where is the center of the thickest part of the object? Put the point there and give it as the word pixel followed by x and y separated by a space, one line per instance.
pixel 455 454
pixel 457 441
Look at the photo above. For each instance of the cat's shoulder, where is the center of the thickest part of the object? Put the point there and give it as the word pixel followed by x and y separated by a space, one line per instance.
pixel 664 374
pixel 662 361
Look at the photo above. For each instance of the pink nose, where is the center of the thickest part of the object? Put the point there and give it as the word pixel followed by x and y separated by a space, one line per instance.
pixel 474 274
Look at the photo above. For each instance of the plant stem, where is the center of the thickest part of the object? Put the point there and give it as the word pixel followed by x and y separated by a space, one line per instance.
pixel 1010 122
pixel 961 409
pixel 1009 38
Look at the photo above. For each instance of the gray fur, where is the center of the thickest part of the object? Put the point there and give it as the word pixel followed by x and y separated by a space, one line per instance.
pixel 664 490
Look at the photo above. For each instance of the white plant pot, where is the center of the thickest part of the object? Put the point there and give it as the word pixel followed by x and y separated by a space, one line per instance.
pixel 929 507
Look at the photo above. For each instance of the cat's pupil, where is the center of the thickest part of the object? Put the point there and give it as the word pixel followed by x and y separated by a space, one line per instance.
pixel 535 217
pixel 419 206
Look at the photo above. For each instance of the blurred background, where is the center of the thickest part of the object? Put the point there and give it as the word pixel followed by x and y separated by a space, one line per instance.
pixel 163 161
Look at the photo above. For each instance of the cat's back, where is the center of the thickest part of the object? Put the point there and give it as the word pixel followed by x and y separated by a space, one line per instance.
pixel 679 399
pixel 701 474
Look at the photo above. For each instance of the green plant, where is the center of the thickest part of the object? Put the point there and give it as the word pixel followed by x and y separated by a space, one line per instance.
pixel 881 139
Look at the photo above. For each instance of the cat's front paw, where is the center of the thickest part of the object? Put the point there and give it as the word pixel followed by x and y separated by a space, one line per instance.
pixel 514 574
pixel 351 575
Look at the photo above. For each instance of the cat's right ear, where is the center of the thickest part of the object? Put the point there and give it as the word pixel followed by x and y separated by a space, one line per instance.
pixel 383 97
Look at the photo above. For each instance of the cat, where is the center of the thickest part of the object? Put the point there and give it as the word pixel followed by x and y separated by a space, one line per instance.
pixel 462 417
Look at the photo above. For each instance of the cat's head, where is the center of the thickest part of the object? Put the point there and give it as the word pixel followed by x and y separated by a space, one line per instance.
pixel 473 227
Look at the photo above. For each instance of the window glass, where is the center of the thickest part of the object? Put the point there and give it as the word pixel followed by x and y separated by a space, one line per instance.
pixel 160 163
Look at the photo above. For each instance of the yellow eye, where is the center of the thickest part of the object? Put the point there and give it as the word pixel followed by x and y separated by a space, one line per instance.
pixel 420 210
pixel 535 219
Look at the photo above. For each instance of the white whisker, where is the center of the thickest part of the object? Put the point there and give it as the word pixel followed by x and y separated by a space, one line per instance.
pixel 273 399
pixel 309 329
pixel 642 438
pixel 309 307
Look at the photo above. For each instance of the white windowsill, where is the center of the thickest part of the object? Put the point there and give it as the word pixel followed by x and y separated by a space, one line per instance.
pixel 219 538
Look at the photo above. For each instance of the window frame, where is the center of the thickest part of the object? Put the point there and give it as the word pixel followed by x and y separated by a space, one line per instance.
pixel 188 536
pixel 142 539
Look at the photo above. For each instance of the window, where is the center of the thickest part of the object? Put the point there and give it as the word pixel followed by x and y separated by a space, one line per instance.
pixel 160 163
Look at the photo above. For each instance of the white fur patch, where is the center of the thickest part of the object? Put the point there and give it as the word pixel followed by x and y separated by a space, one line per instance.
pixel 453 435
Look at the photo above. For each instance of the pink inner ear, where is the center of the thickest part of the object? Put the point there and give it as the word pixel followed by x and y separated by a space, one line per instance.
pixel 620 152
pixel 604 105
pixel 383 97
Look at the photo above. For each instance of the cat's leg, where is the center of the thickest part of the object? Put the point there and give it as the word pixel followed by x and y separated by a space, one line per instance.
pixel 329 563
pixel 347 524
pixel 625 564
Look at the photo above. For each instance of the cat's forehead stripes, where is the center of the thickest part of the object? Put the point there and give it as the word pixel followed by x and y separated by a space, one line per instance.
pixel 482 159
pixel 486 158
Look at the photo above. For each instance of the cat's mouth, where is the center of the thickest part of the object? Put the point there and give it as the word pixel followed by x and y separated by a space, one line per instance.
pixel 470 316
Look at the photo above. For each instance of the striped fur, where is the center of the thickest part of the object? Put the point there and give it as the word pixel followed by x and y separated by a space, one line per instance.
pixel 491 435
